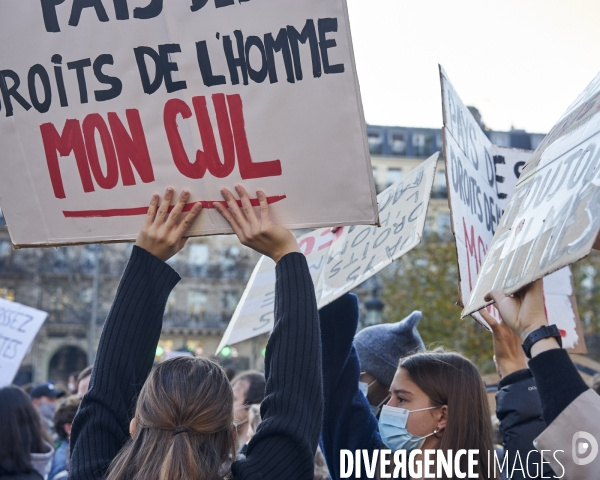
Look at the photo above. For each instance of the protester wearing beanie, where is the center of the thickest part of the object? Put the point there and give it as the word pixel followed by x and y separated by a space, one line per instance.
pixel 379 349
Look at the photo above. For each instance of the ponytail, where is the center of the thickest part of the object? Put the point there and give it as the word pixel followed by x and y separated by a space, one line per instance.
pixel 184 425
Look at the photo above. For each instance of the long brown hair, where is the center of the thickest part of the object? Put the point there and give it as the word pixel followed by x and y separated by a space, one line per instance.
pixel 22 432
pixel 184 425
pixel 450 379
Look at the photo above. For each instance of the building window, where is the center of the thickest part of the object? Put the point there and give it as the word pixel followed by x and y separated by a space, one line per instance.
pixel 502 139
pixel 398 144
pixel 440 189
pixel 229 301
pixel 196 302
pixel 375 140
pixel 198 254
pixel 393 175
pixel 5 249
pixel 422 144
pixel 7 294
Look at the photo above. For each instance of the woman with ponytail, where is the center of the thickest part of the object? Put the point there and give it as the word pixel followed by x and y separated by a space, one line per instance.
pixel 176 421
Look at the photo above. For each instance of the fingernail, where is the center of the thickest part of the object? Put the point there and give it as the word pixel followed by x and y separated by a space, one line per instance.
pixel 197 206
pixel 185 194
pixel 216 205
pixel 238 188
pixel 154 197
pixel 169 191
pixel 260 193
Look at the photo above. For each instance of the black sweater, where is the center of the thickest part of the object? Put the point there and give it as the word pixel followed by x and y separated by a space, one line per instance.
pixel 292 411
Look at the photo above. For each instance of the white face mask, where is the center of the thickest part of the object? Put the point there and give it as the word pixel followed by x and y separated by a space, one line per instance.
pixel 392 427
pixel 364 387
pixel 376 409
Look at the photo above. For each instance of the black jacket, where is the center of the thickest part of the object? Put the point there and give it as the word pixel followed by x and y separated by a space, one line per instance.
pixel 519 412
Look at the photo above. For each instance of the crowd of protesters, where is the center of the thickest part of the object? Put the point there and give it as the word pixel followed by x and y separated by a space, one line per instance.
pixel 325 388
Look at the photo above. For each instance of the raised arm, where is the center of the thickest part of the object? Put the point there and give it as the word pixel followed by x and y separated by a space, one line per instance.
pixel 285 443
pixel 518 406
pixel 128 342
pixel 345 405
pixel 567 403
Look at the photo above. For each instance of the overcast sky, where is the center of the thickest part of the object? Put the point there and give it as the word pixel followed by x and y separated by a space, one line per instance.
pixel 521 62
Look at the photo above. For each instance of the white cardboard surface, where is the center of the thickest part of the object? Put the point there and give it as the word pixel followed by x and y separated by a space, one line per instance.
pixel 298 108
pixel 19 325
pixel 553 217
pixel 341 260
pixel 481 180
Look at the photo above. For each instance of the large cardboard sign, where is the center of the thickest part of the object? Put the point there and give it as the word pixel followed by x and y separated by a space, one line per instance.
pixel 553 217
pixel 481 180
pixel 103 103
pixel 341 259
pixel 18 327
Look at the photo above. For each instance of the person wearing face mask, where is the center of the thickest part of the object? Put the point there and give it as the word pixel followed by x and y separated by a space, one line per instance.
pixel 379 348
pixel 437 399
pixel 248 389
pixel 73 383
pixel 44 397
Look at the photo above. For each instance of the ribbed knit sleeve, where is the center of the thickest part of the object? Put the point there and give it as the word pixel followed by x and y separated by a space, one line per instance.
pixel 557 380
pixel 125 356
pixel 286 441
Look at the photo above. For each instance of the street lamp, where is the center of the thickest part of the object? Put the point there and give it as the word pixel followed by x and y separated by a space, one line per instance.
pixel 374 307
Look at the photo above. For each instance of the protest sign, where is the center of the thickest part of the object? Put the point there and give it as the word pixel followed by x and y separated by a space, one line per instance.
pixel 104 103
pixel 341 259
pixel 18 327
pixel 481 180
pixel 553 218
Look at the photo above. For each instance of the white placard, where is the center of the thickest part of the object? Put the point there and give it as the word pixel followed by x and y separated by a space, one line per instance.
pixel 553 217
pixel 104 103
pixel 18 327
pixel 342 259
pixel 481 180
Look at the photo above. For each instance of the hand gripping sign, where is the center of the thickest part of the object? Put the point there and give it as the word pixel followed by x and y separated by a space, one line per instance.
pixel 553 217
pixel 481 180
pixel 103 103
pixel 341 259
pixel 18 327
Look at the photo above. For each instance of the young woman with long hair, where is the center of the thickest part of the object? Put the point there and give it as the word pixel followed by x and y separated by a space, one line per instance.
pixel 437 401
pixel 25 447
pixel 182 424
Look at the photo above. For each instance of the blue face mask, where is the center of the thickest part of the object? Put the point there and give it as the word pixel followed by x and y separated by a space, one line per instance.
pixel 392 427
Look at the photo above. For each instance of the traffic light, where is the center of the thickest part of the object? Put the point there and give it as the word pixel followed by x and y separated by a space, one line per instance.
pixel 226 351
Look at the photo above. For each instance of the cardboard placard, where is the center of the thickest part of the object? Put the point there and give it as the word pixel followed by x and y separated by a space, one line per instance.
pixel 103 104
pixel 553 218
pixel 481 180
pixel 342 259
pixel 18 327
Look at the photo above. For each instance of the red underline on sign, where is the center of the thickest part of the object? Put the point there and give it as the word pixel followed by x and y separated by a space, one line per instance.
pixel 130 212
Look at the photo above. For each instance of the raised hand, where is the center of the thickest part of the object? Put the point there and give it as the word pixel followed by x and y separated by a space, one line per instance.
pixel 524 311
pixel 509 357
pixel 260 234
pixel 162 232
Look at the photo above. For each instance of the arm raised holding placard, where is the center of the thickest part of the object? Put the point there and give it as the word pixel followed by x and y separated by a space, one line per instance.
pixel 183 422
pixel 567 404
